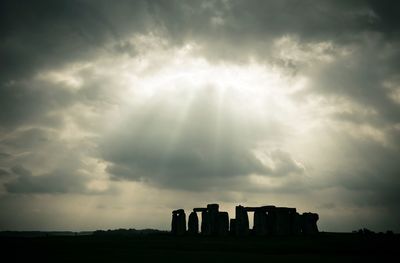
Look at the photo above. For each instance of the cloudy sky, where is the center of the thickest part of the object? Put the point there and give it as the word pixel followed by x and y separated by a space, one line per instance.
pixel 113 114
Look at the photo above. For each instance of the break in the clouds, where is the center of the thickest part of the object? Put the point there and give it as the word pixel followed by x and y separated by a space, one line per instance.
pixel 115 113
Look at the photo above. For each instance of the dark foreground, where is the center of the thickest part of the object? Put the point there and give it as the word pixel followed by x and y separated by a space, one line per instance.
pixel 326 247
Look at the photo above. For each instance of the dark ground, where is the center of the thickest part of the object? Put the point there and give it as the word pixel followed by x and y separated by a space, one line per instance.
pixel 326 247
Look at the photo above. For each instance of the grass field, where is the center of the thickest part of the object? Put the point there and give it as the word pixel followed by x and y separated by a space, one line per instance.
pixel 326 247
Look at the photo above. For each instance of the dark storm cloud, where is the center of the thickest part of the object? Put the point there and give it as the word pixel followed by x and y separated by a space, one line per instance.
pixel 24 103
pixel 3 173
pixel 386 11
pixel 361 77
pixel 58 182
pixel 220 27
pixel 374 170
pixel 43 34
pixel 284 163
pixel 369 174
pixel 4 155
pixel 20 170
pixel 47 34
pixel 26 139
pixel 42 163
pixel 367 78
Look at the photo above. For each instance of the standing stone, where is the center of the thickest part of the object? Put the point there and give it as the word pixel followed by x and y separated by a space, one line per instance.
pixel 260 222
pixel 181 223
pixel 193 224
pixel 271 221
pixel 223 223
pixel 309 223
pixel 296 224
pixel 232 226
pixel 178 225
pixel 174 224
pixel 283 221
pixel 212 210
pixel 205 223
pixel 242 221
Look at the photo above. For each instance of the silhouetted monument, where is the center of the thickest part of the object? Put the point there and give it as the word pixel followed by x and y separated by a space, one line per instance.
pixel 271 220
pixel 242 221
pixel 264 219
pixel 296 224
pixel 193 224
pixel 213 222
pixel 283 220
pixel 178 225
pixel 309 223
pixel 232 229
pixel 223 223
pixel 268 220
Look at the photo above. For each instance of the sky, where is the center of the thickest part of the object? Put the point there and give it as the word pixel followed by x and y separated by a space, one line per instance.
pixel 115 113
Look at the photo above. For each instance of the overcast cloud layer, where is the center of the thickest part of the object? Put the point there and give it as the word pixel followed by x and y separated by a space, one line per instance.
pixel 113 114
